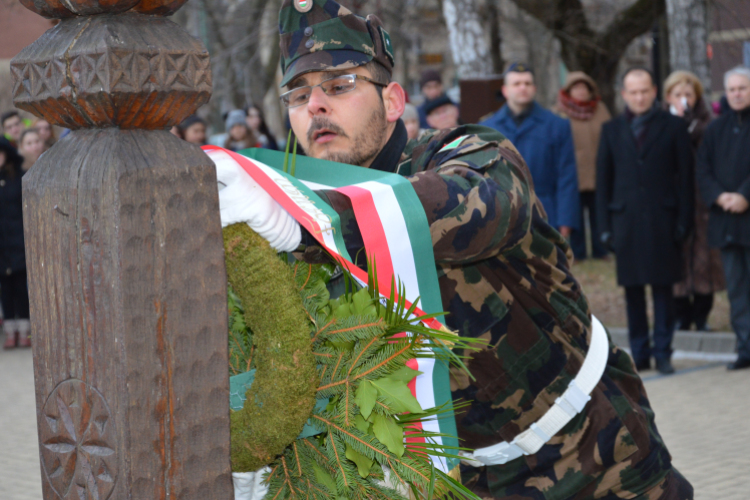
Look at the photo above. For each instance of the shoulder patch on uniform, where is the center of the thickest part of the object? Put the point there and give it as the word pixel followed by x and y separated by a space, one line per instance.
pixel 453 144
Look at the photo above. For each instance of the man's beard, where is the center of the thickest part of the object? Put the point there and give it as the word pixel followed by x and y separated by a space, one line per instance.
pixel 365 145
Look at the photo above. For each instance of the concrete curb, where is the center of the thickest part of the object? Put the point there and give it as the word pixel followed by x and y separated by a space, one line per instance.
pixel 704 342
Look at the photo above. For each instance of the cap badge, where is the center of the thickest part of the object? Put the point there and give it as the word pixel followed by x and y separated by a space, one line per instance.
pixel 303 5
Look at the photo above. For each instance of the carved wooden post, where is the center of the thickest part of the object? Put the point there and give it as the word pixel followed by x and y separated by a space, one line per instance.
pixel 125 256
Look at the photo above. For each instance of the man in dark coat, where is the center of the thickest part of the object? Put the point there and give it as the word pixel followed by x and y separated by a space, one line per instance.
pixel 14 292
pixel 724 181
pixel 644 204
pixel 546 143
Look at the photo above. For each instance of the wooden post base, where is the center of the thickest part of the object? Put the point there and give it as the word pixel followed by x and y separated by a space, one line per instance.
pixel 128 297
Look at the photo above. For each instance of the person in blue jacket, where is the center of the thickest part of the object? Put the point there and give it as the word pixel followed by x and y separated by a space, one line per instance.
pixel 546 143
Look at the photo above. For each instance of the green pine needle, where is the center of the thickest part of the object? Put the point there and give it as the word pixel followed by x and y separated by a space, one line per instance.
pixel 294 157
pixel 286 151
pixel 359 344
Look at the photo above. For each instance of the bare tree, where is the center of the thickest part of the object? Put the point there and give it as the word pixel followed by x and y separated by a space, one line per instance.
pixel 242 38
pixel 595 52
pixel 469 46
pixel 688 37
pixel 527 40
pixel 492 18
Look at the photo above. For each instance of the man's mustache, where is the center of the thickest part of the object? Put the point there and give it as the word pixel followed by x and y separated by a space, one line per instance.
pixel 323 123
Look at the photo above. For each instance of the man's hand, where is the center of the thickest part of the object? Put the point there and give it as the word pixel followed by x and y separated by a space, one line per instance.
pixel 723 200
pixel 249 485
pixel 241 199
pixel 737 204
pixel 565 231
pixel 732 202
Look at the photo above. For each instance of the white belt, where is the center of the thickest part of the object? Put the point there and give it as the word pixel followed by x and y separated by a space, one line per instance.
pixel 567 406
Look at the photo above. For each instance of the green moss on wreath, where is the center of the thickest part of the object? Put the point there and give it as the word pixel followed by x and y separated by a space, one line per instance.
pixel 282 396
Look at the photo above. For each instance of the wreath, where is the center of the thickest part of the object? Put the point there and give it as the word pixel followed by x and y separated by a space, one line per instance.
pixel 329 405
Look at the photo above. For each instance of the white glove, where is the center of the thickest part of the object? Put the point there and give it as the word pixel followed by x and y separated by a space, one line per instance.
pixel 250 485
pixel 241 199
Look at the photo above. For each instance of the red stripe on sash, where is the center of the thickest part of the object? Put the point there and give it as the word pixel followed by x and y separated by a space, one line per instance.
pixel 373 234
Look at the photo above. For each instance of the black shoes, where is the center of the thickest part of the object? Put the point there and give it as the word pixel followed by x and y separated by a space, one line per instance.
pixel 739 364
pixel 643 365
pixel 664 366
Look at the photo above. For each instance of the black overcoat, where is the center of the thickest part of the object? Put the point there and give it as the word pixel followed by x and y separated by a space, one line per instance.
pixel 12 256
pixel 724 166
pixel 645 197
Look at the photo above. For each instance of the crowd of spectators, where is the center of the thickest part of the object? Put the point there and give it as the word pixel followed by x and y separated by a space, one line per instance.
pixel 643 186
pixel 23 142
pixel 664 186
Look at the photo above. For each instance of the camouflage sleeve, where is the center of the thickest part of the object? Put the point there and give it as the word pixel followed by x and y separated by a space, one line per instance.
pixel 477 193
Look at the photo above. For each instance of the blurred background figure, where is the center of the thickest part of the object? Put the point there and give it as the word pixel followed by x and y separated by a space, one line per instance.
pixel 546 144
pixel 724 181
pixel 431 87
pixel 193 130
pixel 258 126
pixel 441 113
pixel 14 291
pixel 12 127
pixel 703 274
pixel 239 135
pixel 46 132
pixel 580 103
pixel 31 147
pixel 175 131
pixel 411 121
pixel 644 191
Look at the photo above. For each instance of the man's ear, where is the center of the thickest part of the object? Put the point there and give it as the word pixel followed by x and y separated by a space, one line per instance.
pixel 394 100
pixel 504 91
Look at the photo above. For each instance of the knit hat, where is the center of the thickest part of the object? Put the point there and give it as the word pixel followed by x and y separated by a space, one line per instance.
pixel 235 117
pixel 410 112
pixel 430 75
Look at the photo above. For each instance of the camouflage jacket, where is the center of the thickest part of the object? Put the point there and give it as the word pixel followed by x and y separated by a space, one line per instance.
pixel 505 277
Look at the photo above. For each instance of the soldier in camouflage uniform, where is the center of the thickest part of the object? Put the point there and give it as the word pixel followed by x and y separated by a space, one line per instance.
pixel 504 272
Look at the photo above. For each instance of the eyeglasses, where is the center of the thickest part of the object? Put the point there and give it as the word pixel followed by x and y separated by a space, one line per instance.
pixel 333 86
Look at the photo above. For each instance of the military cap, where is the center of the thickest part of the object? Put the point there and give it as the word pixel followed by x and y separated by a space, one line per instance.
pixel 519 67
pixel 321 35
pixel 434 104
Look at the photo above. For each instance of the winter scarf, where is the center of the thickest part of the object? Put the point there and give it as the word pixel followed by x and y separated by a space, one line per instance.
pixel 578 110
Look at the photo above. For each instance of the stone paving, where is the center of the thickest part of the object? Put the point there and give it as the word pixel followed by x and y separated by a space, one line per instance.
pixel 703 413
pixel 20 477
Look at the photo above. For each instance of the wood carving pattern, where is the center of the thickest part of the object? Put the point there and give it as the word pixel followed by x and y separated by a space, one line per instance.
pixel 113 71
pixel 78 442
pixel 58 10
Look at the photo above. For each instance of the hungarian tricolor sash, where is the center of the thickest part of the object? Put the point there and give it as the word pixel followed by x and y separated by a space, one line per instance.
pixel 396 236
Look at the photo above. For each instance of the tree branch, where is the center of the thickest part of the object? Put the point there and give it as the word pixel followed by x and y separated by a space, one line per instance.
pixel 631 23
pixel 567 16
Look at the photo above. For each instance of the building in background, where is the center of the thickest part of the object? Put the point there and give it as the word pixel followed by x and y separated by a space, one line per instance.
pixel 19 27
pixel 729 40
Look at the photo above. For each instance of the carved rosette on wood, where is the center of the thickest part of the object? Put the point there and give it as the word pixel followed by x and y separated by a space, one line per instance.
pixel 125 258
